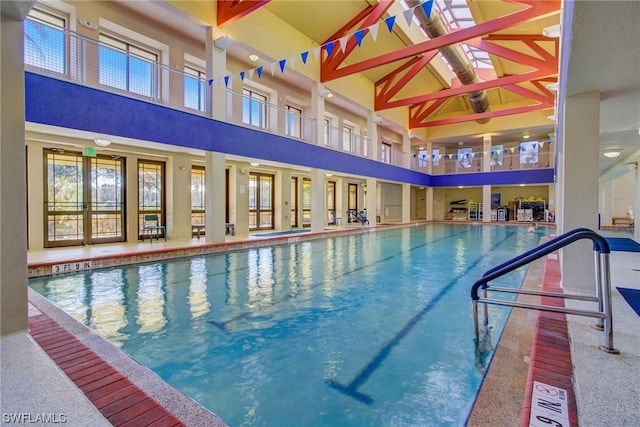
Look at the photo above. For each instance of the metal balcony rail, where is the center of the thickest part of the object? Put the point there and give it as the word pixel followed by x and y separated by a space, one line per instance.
pixel 602 298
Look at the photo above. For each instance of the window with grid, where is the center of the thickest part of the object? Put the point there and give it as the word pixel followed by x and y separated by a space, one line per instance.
pixel 294 201
pixel 151 191
pixel 385 152
pixel 254 108
pixel 293 121
pixel 331 202
pixel 127 67
pixel 45 42
pixel 306 202
pixel 194 88
pixel 327 130
pixel 197 195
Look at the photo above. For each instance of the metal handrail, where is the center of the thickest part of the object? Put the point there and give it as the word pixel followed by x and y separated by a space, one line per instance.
pixel 603 284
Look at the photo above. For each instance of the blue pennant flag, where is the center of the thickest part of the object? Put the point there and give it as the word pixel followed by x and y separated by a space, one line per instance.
pixel 226 80
pixel 427 6
pixel 304 56
pixel 446 157
pixel 329 47
pixel 455 156
pixel 424 156
pixel 414 156
pixel 242 75
pixel 433 156
pixel 210 82
pixel 259 70
pixel 390 21
pixel 506 151
pixel 359 35
pixel 282 62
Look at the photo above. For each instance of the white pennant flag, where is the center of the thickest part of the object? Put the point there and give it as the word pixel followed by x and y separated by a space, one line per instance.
pixel 343 43
pixel 408 15
pixel 292 62
pixel 273 67
pixel 316 52
pixel 512 149
pixel 251 73
pixel 373 29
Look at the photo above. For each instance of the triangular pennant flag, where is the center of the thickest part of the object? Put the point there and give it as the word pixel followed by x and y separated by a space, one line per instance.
pixel 343 43
pixel 468 156
pixel 273 67
pixel 433 156
pixel 373 29
pixel 359 35
pixel 424 156
pixel 304 56
pixel 549 142
pixel 329 48
pixel 427 6
pixel 210 82
pixel 513 149
pixel 455 156
pixel 226 81
pixel 316 52
pixel 408 16
pixel 292 62
pixel 242 75
pixel 390 21
pixel 446 157
pixel 506 151
pixel 414 156
pixel 439 156
pixel 251 71
pixel 259 70
pixel 282 62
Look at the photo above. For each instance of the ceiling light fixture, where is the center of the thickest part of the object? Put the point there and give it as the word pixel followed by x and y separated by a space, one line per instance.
pixel 377 119
pixel 611 154
pixel 254 164
pixel 325 93
pixel 526 135
pixel 102 142
pixel 253 57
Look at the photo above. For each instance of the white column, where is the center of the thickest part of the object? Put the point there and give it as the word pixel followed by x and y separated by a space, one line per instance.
pixel 636 205
pixel 318 200
pixel 317 112
pixel 486 203
pixel 406 149
pixel 605 204
pixel 372 201
pixel 179 197
pixel 214 173
pixel 35 182
pixel 406 202
pixel 13 202
pixel 429 198
pixel 216 62
pixel 579 182
pixel 372 133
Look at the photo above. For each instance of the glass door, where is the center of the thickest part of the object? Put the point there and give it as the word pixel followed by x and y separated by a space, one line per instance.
pixel 260 201
pixel 84 199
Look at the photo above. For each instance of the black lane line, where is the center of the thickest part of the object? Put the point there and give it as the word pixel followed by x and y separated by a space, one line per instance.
pixel 351 389
pixel 223 325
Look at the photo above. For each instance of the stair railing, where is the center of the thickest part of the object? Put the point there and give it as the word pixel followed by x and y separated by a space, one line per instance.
pixel 602 276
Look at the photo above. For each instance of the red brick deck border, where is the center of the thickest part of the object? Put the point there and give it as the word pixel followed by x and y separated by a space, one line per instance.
pixel 119 400
pixel 550 360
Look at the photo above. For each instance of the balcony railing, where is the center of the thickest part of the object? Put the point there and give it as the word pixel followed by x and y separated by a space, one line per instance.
pixel 67 55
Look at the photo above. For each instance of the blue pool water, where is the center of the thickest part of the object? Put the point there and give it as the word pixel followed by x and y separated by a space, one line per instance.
pixel 372 329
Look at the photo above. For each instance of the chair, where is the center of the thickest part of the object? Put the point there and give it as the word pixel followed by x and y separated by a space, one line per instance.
pixel 151 224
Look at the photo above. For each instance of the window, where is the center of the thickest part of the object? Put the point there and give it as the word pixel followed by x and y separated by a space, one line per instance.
pixel 260 201
pixel 194 88
pixel 197 195
pixel 150 191
pixel 385 152
pixel 294 201
pixel 327 131
pixel 254 108
pixel 293 121
pixel 306 202
pixel 436 157
pixel 365 144
pixel 127 67
pixel 422 158
pixel 331 202
pixel 45 44
pixel 528 152
pixel 497 155
pixel 465 158
pixel 347 138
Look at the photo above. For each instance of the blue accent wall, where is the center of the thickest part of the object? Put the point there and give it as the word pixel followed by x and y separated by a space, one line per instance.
pixel 64 104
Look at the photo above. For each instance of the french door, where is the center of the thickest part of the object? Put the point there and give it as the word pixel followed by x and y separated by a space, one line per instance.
pixel 260 201
pixel 84 199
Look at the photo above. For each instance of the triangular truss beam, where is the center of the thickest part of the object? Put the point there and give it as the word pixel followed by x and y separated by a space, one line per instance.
pixel 231 10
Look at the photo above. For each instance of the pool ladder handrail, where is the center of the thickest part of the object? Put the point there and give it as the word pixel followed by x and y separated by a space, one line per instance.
pixel 603 285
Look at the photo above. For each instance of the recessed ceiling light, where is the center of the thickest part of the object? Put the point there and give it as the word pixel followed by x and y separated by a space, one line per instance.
pixel 253 57
pixel 526 135
pixel 611 154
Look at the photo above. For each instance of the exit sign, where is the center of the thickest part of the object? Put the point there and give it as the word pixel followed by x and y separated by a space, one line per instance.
pixel 89 152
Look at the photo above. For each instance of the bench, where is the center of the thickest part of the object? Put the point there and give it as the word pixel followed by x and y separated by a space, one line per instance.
pixel 228 229
pixel 622 220
pixel 151 225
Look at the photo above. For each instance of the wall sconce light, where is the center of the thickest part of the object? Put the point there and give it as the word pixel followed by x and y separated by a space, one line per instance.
pixel 222 43
pixel 182 168
pixel 526 135
pixel 325 93
pixel 377 119
pixel 552 31
pixel 254 164
pixel 102 142
pixel 328 175
pixel 611 154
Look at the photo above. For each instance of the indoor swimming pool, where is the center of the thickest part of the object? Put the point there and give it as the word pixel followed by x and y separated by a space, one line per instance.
pixel 373 329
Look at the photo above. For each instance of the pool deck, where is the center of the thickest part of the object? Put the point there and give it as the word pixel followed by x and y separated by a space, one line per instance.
pixel 61 368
